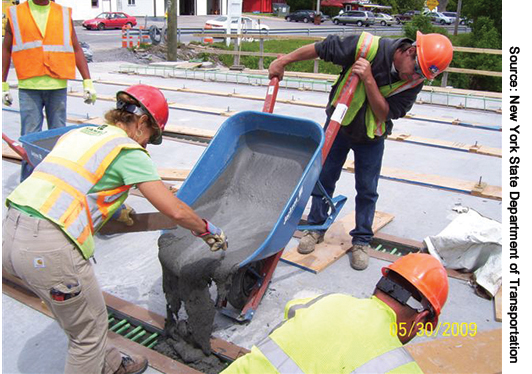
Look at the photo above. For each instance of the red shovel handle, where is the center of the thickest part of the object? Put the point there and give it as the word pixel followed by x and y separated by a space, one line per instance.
pixel 17 148
pixel 346 96
pixel 271 95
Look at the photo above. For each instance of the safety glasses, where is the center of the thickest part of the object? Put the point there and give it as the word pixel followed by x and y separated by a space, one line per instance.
pixel 417 68
pixel 156 138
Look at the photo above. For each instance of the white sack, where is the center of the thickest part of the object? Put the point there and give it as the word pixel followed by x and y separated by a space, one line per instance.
pixel 473 243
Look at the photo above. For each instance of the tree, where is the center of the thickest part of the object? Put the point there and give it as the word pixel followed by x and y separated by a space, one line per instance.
pixel 492 9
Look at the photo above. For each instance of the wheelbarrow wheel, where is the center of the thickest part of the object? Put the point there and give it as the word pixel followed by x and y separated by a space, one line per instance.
pixel 244 281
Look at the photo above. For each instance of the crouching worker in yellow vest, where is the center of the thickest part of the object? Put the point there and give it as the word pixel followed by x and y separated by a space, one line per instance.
pixel 335 333
pixel 53 216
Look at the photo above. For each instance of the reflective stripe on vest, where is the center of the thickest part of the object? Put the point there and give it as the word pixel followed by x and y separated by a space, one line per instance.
pixel 367 48
pixel 385 362
pixel 38 55
pixel 278 358
pixel 381 364
pixel 70 203
pixel 282 362
pixel 18 45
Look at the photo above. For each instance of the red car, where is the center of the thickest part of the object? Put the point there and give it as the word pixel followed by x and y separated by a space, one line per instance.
pixel 109 20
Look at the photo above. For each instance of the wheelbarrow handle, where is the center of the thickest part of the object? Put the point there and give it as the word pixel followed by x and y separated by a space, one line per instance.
pixel 271 95
pixel 15 146
pixel 346 96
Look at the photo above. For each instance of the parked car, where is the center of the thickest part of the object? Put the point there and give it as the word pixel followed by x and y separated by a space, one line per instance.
pixel 358 17
pixel 438 17
pixel 109 20
pixel 304 16
pixel 246 23
pixel 383 19
pixel 452 16
pixel 406 16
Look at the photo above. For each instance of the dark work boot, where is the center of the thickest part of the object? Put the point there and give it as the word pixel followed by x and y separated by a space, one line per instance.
pixel 132 365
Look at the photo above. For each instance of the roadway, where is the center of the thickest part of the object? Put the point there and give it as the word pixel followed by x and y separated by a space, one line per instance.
pixel 110 39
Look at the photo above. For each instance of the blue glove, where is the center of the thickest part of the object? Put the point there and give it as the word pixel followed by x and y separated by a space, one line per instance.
pixel 213 236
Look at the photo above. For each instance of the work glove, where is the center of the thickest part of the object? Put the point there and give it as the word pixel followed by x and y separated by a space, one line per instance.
pixel 89 93
pixel 213 236
pixel 123 214
pixel 7 99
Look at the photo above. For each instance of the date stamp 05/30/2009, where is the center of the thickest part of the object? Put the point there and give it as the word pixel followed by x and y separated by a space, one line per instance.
pixel 442 329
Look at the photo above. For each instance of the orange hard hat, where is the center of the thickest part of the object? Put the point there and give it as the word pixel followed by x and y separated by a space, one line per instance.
pixel 434 53
pixel 153 102
pixel 427 275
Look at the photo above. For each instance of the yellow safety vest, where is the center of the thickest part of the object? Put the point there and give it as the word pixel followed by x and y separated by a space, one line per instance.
pixel 60 184
pixel 35 54
pixel 367 48
pixel 330 334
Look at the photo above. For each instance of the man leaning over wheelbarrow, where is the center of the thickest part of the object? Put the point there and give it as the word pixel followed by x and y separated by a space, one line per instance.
pixel 391 72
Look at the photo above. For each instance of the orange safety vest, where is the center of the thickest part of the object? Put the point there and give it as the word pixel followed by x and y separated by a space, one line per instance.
pixel 35 55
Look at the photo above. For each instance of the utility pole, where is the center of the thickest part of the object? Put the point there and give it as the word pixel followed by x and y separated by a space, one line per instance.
pixel 171 44
pixel 457 21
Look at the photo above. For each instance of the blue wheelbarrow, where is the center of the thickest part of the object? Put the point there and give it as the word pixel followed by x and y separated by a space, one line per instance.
pixel 262 168
pixel 266 166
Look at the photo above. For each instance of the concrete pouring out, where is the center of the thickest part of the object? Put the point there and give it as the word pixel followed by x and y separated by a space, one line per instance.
pixel 246 200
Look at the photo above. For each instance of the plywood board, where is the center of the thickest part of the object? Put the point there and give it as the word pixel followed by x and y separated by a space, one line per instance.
pixel 337 242
pixel 481 353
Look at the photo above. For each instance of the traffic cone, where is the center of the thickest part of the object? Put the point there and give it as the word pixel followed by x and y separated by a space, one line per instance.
pixel 124 37
pixel 208 40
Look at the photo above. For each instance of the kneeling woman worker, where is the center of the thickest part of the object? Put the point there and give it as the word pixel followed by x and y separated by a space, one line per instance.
pixel 54 214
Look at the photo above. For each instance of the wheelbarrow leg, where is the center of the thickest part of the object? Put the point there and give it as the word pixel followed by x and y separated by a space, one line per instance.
pixel 264 275
pixel 268 268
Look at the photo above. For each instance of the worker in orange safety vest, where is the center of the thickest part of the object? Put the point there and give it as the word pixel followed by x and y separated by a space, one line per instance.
pixel 41 40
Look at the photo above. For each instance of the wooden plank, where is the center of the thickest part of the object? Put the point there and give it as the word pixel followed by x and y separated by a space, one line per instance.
pixel 481 353
pixel 478 50
pixel 8 153
pixel 337 242
pixel 473 71
pixel 194 108
pixel 173 174
pixel 461 91
pixel 497 301
pixel 428 180
pixel 473 148
pixel 450 121
pixel 190 131
pixel 220 346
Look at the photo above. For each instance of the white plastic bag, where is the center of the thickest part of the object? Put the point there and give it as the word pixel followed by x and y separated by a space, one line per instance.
pixel 473 243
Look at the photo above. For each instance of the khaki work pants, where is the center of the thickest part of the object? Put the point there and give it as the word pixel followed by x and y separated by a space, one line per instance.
pixel 39 253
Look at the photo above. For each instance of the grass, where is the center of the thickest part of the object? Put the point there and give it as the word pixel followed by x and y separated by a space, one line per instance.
pixel 276 46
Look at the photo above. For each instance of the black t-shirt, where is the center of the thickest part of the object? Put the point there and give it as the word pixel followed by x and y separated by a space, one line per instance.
pixel 341 51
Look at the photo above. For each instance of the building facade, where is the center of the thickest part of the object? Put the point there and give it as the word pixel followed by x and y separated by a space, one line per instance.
pixel 83 9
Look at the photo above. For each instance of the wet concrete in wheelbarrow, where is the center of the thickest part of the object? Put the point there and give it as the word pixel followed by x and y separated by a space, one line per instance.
pixel 246 202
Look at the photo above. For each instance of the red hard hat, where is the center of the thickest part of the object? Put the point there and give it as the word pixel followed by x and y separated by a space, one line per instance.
pixel 434 53
pixel 153 101
pixel 427 275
